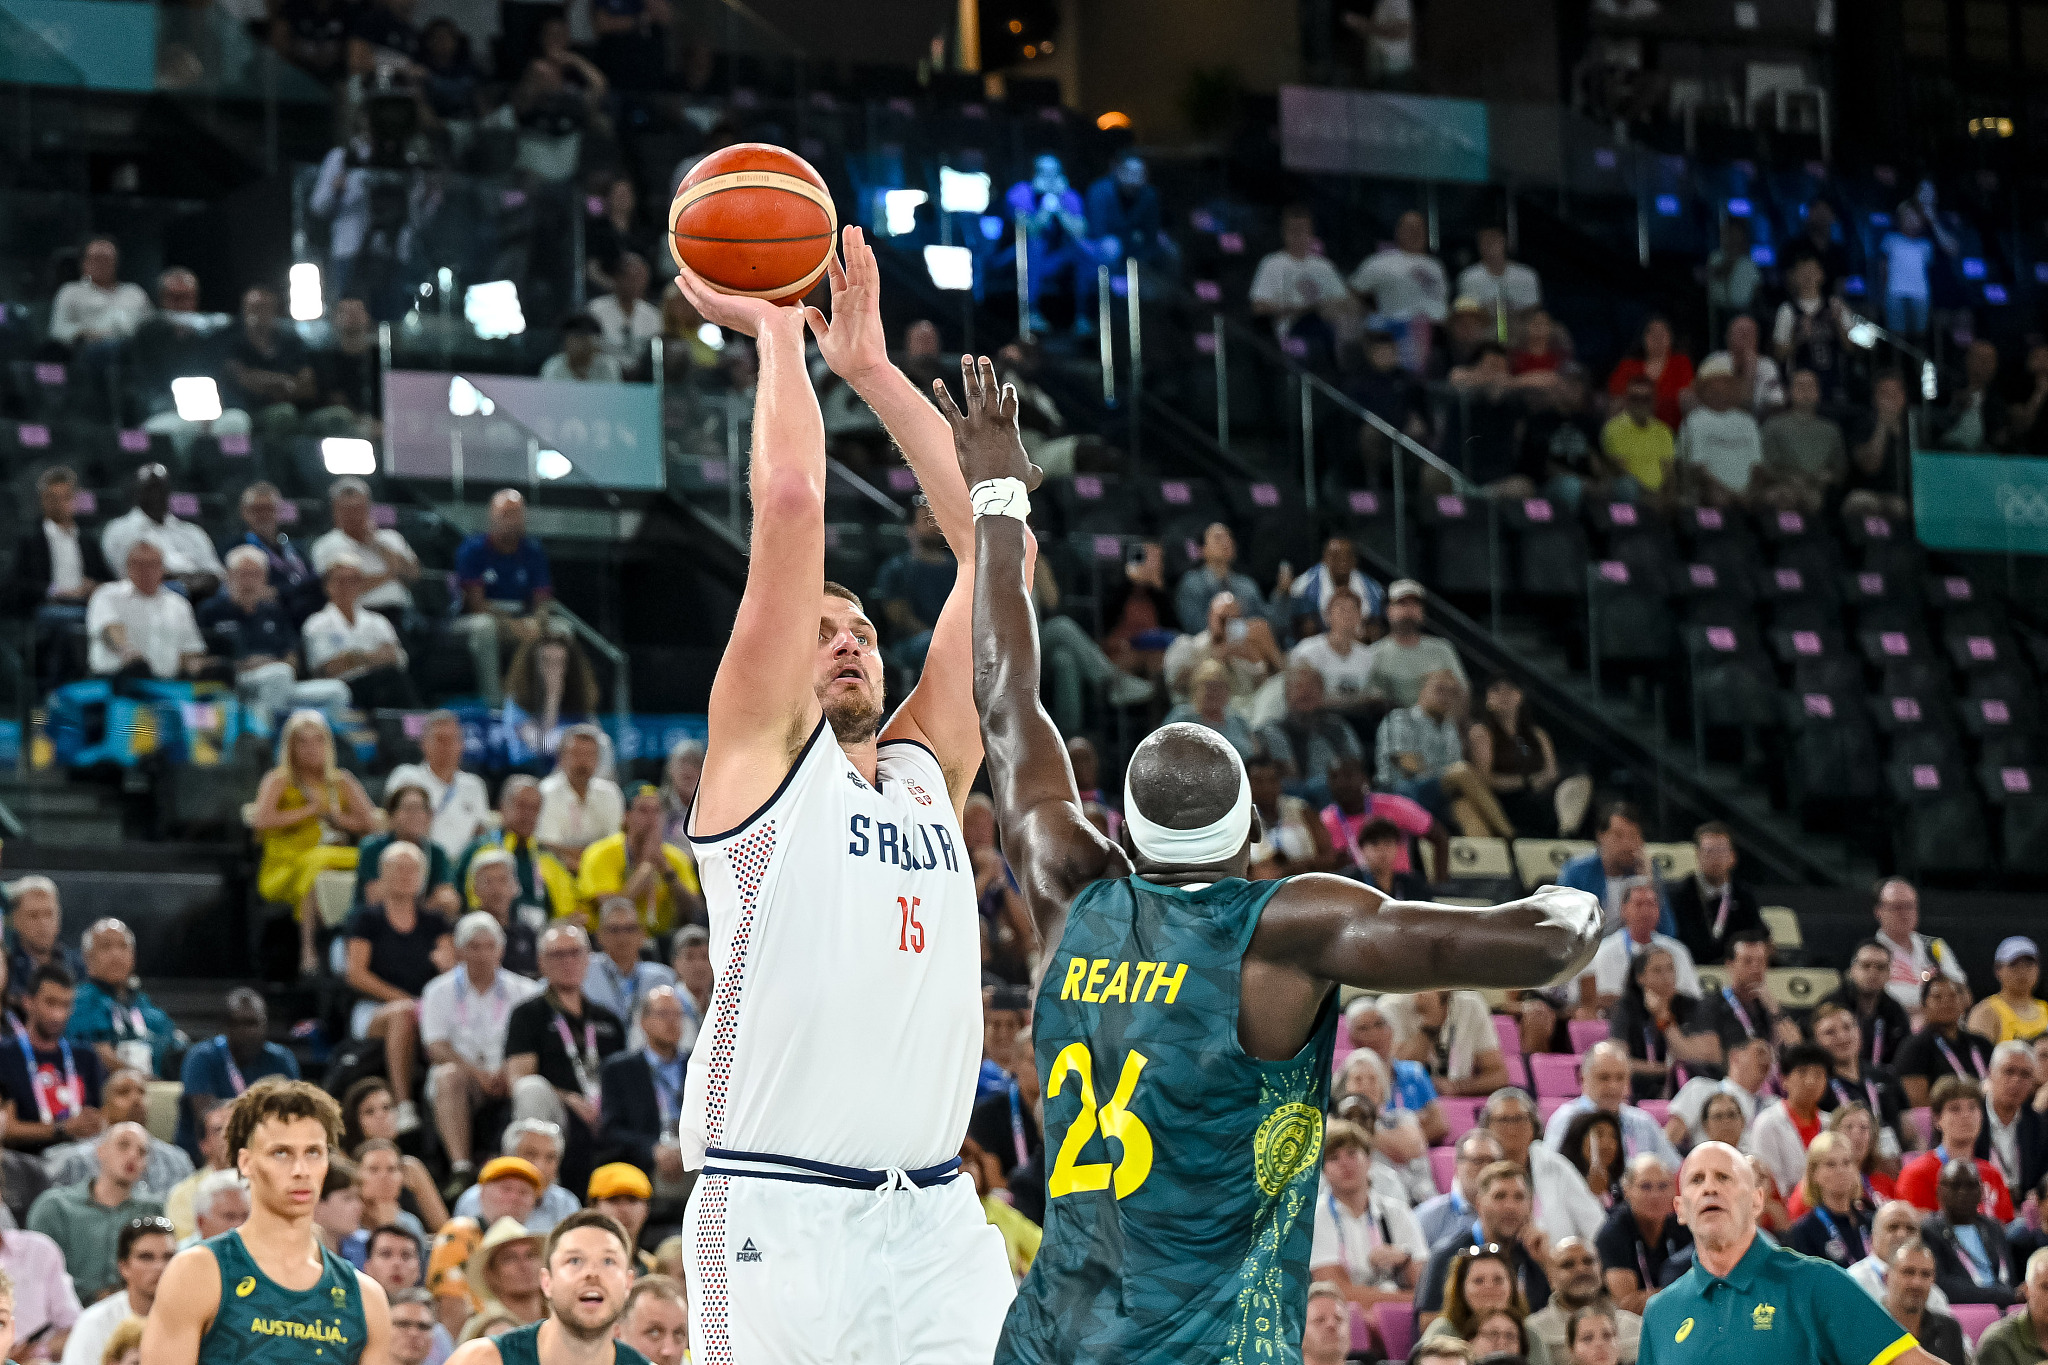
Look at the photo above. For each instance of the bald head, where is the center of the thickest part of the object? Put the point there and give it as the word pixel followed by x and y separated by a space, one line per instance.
pixel 1718 1197
pixel 1184 776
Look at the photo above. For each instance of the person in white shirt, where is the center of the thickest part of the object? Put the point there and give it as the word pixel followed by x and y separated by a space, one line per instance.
pixel 1389 33
pixel 1452 1034
pixel 97 306
pixel 1365 1243
pixel 462 805
pixel 577 807
pixel 1759 383
pixel 138 626
pixel 1640 910
pixel 1564 1206
pixel 463 1013
pixel 389 565
pixel 1897 1222
pixel 1335 571
pixel 1604 1078
pixel 1499 284
pixel 188 553
pixel 626 320
pixel 1403 281
pixel 582 358
pixel 346 640
pixel 1720 445
pixel 1915 956
pixel 141 1251
pixel 1298 281
pixel 1339 654
pixel 1749 1066
pixel 619 978
pixel 1780 1133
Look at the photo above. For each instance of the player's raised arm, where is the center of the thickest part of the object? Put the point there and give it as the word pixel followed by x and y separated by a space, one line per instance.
pixel 763 702
pixel 187 1298
pixel 1052 848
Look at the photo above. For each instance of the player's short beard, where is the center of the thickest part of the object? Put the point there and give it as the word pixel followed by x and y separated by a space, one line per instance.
pixel 855 717
pixel 566 1321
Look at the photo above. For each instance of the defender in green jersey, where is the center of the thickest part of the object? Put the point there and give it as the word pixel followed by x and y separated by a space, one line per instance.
pixel 269 1293
pixel 1185 1020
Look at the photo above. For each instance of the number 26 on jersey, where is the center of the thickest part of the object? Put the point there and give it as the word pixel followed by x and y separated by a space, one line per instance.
pixel 1069 1175
pixel 910 937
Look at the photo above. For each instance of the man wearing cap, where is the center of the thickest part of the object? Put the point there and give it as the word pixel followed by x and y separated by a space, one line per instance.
pixel 2013 1012
pixel 1745 1299
pixel 505 1271
pixel 1406 656
pixel 1719 445
pixel 532 1149
pixel 658 878
pixel 623 1191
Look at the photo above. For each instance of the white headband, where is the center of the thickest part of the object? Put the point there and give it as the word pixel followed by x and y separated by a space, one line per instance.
pixel 1221 838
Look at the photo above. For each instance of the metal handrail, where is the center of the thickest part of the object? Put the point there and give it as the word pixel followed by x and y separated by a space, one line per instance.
pixel 837 468
pixel 622 687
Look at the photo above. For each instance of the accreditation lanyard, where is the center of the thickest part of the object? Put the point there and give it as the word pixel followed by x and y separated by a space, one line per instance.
pixel 227 1059
pixel 1838 1245
pixel 1969 1055
pixel 1742 1014
pixel 1844 1095
pixel 667 1094
pixel 1377 1233
pixel 137 1026
pixel 70 1087
pixel 1017 1127
pixel 585 1062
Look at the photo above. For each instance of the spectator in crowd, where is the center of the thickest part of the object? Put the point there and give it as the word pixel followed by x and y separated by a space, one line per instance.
pixel 1413 1091
pixel 85 1219
pixel 493 889
pixel 413 1325
pixel 1639 444
pixel 1783 1131
pixel 181 1202
pixel 1604 1077
pixel 1505 289
pixel 1854 1124
pixel 1641 1234
pixel 459 800
pixel 1853 1081
pixel 1057 247
pixel 1195 594
pixel 1593 1147
pixel 188 554
pixel 1483 1305
pixel 1816 240
pixel 285 570
pixel 1124 218
pixel 174 343
pixel 543 882
pixel 139 628
pixel 1338 653
pixel 1336 572
pixel 2018 1128
pixel 379 1185
pixel 556 1042
pixel 56 572
pixel 1907 256
pixel 681 771
pixel 636 864
pixel 1916 958
pixel 1380 844
pixel 626 321
pixel 1542 347
pixel 463 1014
pixel 217 1070
pixel 1503 1221
pixel 124 1098
pixel 39 1302
pixel 1517 761
pixel 1326 1327
pixel 1405 285
pixel 1392 394
pixel 641 1096
pixel 578 807
pixel 1881 1022
pixel 1749 1063
pixel 1669 371
pixel 1618 855
pixel 1719 446
pixel 1811 329
pixel 1353 806
pixel 2017 1338
pixel 1972 1261
pixel 1310 737
pixel 532 1150
pixel 1663 1024
pixel 112 1013
pixel 1578 1297
pixel 408 818
pixel 1406 657
pixel 548 687
pixel 1743 1008
pixel 1244 648
pixel 1005 1125
pixel 506 589
pixel 1421 755
pixel 1896 1223
pixel 267 371
pixel 582 358
pixel 619 976
pixel 1208 704
pixel 656 1320
pixel 1759 384
pixel 1911 1280
pixel 913 586
pixel 98 306
pixel 1711 907
pixel 1836 1224
pixel 313 35
pixel 1805 460
pixel 395 947
pixel 1367 1242
pixel 51 1089
pixel 609 235
pixel 1638 934
pixel 1941 1047
pixel 1732 276
pixel 623 1193
pixel 305 806
pixel 1564 1205
pixel 348 382
pixel 1958 1116
pixel 33 941
pixel 2012 1011
pixel 142 1248
pixel 1875 482
pixel 388 564
pixel 348 641
pixel 1441 1216
pixel 505 1270
pixel 369 1110
pixel 1451 1034
pixel 247 628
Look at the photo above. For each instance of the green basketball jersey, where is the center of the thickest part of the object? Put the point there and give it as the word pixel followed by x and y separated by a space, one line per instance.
pixel 260 1322
pixel 1180 1172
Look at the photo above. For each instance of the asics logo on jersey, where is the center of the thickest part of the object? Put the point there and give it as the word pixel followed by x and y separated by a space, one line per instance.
pixel 914 848
pixel 245 1286
pixel 747 1252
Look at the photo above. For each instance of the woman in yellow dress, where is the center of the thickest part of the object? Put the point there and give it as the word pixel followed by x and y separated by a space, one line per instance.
pixel 305 808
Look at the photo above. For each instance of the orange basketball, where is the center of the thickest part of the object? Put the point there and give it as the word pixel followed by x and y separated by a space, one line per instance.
pixel 754 220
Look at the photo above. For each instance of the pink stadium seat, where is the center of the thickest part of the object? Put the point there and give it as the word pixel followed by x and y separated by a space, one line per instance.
pixel 1342 1048
pixel 1555 1074
pixel 1550 1104
pixel 1659 1110
pixel 1586 1032
pixel 1509 1030
pixel 1361 1334
pixel 1922 1120
pixel 1518 1071
pixel 1443 1164
pixel 1461 1115
pixel 1397 1329
pixel 1974 1318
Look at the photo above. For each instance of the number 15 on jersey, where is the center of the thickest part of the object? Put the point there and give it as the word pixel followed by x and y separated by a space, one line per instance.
pixel 910 938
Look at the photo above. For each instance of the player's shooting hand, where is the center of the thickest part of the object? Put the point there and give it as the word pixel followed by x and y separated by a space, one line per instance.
pixel 854 343
pixel 985 435
pixel 748 317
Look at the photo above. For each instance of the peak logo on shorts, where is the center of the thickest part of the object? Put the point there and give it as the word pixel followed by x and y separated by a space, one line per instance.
pixel 747 1253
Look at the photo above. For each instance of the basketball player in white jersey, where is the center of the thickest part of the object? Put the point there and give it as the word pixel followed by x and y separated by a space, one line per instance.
pixel 829 1093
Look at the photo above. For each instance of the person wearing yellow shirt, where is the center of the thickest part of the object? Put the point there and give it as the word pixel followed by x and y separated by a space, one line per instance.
pixel 1636 442
pixel 658 878
pixel 543 880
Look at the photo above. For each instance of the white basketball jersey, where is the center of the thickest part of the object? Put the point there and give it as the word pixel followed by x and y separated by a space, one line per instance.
pixel 845 1025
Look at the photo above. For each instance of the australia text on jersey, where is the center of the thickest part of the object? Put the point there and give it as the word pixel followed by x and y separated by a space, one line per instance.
pixel 1089 979
pixel 914 848
pixel 300 1331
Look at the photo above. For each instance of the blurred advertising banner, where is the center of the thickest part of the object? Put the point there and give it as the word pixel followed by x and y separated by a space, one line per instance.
pixel 1364 132
pixel 1994 504
pixel 513 429
pixel 98 44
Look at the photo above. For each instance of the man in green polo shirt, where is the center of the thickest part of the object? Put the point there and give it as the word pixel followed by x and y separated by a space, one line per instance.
pixel 2019 1340
pixel 1745 1300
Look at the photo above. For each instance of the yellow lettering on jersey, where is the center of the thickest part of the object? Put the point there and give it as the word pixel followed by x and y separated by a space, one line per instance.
pixel 1172 983
pixel 1077 967
pixel 1115 989
pixel 1138 982
pixel 1095 973
pixel 298 1331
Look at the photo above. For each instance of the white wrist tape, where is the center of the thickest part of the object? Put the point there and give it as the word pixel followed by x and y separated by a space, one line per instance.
pixel 1001 498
